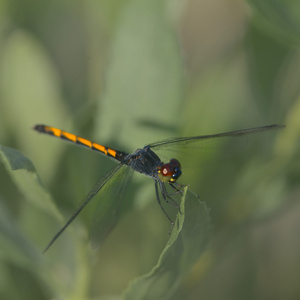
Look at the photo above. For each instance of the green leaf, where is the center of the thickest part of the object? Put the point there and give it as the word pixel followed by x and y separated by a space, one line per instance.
pixel 15 247
pixel 279 18
pixel 30 93
pixel 24 175
pixel 144 76
pixel 187 242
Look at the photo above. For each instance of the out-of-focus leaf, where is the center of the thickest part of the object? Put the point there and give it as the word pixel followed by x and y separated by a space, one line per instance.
pixel 143 78
pixel 280 18
pixel 14 246
pixel 288 142
pixel 30 93
pixel 267 251
pixel 23 173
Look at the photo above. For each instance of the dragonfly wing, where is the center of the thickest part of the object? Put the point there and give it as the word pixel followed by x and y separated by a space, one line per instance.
pixel 86 200
pixel 204 150
pixel 110 207
pixel 184 141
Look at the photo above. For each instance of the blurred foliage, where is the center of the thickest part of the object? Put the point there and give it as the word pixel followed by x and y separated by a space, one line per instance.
pixel 127 73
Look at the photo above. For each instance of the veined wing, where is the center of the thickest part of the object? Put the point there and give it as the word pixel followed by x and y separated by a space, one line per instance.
pixel 110 207
pixel 188 140
pixel 199 150
pixel 103 181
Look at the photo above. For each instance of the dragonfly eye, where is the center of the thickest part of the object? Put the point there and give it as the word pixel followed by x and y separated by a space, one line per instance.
pixel 175 163
pixel 170 172
pixel 176 174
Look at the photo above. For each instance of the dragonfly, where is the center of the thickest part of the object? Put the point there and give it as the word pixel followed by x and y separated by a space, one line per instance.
pixel 145 161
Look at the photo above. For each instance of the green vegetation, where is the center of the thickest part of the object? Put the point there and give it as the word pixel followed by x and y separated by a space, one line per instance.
pixel 128 73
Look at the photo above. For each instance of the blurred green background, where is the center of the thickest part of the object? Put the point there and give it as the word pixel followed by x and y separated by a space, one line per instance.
pixel 128 73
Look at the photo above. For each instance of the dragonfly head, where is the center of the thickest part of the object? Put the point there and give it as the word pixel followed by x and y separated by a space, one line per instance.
pixel 170 172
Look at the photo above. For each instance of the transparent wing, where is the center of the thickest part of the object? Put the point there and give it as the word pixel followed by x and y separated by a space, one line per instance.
pixel 182 142
pixel 203 150
pixel 110 207
pixel 109 176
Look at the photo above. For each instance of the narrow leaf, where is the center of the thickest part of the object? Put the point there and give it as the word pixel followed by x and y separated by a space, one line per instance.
pixel 187 242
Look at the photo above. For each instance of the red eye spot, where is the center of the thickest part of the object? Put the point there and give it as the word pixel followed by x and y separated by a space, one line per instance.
pixel 170 172
pixel 167 170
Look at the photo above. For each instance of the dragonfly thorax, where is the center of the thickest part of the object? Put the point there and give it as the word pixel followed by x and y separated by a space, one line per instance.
pixel 144 161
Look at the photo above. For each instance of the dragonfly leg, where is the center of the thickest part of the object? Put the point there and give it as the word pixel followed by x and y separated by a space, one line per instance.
pixel 167 197
pixel 177 187
pixel 159 202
